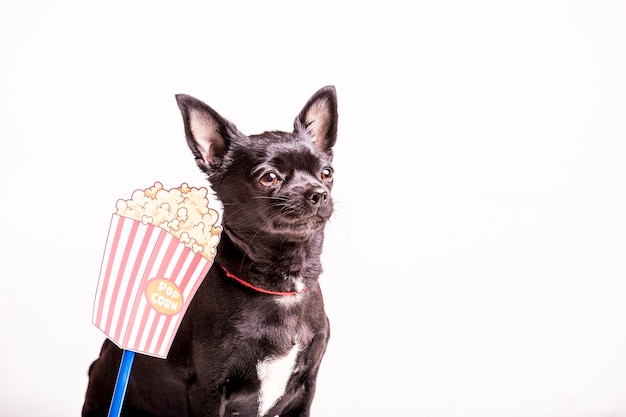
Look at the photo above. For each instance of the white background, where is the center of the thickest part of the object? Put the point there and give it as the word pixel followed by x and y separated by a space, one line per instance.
pixel 476 263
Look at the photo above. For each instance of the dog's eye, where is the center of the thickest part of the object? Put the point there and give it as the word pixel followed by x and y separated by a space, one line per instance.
pixel 327 174
pixel 269 180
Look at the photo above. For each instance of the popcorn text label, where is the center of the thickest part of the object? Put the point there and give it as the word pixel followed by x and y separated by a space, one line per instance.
pixel 164 296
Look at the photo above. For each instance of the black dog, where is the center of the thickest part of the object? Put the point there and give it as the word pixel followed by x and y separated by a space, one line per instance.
pixel 254 335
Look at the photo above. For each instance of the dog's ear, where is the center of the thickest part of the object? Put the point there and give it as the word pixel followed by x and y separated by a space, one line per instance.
pixel 208 134
pixel 319 117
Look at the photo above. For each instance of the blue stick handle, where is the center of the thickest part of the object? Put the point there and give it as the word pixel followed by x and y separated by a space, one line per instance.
pixel 122 382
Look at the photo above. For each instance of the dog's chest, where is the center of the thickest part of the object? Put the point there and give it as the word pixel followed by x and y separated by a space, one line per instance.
pixel 273 374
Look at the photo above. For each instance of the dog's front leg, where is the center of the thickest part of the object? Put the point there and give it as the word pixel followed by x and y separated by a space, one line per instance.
pixel 222 403
pixel 204 401
pixel 299 403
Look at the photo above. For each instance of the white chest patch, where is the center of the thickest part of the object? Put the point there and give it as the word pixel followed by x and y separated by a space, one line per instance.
pixel 274 373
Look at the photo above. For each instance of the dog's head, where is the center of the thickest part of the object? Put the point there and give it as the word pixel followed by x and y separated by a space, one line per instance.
pixel 272 185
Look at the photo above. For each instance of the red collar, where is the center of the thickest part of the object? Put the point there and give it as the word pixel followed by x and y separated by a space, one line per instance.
pixel 247 284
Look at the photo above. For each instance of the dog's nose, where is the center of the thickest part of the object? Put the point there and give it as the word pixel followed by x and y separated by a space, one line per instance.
pixel 316 197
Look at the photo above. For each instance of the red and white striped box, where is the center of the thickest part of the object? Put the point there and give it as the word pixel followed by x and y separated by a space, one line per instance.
pixel 147 279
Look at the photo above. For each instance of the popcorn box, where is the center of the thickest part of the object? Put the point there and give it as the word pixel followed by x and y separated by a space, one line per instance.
pixel 147 280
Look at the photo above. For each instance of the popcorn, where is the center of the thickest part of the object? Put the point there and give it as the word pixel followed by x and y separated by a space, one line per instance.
pixel 160 246
pixel 181 211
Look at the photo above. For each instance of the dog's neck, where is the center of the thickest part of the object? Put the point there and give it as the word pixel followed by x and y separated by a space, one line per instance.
pixel 269 263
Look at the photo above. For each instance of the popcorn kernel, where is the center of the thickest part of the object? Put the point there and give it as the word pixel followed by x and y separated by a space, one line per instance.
pixel 181 211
